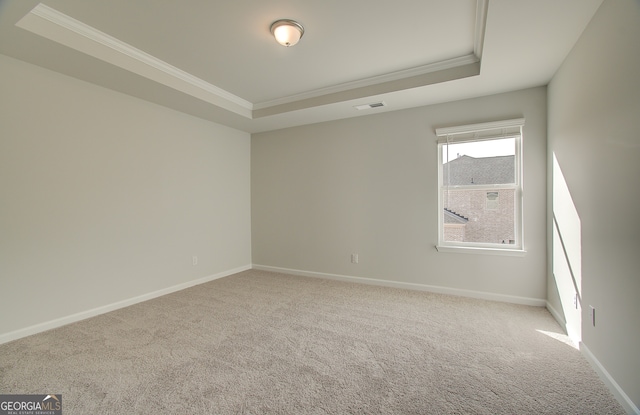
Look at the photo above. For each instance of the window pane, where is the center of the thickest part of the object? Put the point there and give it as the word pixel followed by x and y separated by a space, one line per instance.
pixel 469 216
pixel 474 208
pixel 479 162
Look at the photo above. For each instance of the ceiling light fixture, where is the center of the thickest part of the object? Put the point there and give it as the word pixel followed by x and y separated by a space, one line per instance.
pixel 287 32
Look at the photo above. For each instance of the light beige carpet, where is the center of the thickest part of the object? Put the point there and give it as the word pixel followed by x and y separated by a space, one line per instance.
pixel 266 343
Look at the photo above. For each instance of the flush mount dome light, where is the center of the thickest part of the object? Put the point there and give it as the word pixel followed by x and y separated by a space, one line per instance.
pixel 287 32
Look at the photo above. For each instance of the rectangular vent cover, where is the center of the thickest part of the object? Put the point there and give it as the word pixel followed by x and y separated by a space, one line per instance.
pixel 371 105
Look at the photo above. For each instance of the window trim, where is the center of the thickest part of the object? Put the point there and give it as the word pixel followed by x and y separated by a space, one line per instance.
pixel 480 250
pixel 481 132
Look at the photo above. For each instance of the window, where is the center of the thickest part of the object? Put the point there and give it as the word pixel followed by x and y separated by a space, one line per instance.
pixel 480 187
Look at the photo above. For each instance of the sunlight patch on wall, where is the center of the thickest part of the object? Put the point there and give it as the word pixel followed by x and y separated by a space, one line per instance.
pixel 567 253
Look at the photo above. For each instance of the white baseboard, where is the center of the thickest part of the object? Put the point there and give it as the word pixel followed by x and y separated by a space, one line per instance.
pixel 613 386
pixel 571 333
pixel 410 286
pixel 48 325
pixel 557 316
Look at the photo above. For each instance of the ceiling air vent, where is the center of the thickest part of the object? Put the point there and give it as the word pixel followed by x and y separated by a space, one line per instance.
pixel 369 106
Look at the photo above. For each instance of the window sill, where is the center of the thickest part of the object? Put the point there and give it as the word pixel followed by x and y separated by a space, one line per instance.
pixel 481 251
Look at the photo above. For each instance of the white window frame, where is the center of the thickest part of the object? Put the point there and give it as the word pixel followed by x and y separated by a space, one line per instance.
pixel 474 133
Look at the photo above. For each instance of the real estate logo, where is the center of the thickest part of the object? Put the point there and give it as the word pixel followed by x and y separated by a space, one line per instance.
pixel 31 404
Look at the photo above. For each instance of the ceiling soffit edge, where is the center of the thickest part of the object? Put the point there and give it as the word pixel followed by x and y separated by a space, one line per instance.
pixel 390 77
pixel 60 28
pixel 482 7
pixel 471 68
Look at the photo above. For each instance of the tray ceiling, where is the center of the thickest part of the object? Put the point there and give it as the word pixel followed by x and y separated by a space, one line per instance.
pixel 218 60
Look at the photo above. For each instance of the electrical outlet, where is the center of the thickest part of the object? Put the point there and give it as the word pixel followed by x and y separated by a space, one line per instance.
pixel 592 315
pixel 354 258
pixel 195 260
pixel 575 300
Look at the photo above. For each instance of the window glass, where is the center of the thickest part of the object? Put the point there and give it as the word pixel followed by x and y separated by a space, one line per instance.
pixel 480 191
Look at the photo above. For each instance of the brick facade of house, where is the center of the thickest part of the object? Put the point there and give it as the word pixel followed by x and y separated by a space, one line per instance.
pixel 481 214
pixel 491 222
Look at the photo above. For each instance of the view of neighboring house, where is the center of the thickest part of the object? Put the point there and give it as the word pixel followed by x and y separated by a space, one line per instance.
pixel 475 210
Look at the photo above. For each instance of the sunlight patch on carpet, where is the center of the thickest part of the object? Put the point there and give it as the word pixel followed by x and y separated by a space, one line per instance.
pixel 560 337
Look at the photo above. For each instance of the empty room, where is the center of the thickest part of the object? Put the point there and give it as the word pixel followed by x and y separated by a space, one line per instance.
pixel 366 207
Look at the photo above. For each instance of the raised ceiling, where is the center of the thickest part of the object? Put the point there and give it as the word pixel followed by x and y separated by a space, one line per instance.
pixel 217 60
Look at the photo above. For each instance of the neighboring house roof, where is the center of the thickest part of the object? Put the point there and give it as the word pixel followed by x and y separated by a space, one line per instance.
pixel 485 170
pixel 452 217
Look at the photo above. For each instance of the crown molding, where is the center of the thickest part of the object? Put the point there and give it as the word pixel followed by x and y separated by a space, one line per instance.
pixel 390 77
pixel 481 24
pixel 376 90
pixel 58 27
pixel 49 23
pixel 476 56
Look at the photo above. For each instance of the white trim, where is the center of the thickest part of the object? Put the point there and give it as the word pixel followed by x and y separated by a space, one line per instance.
pixel 73 33
pixel 568 330
pixel 480 251
pixel 56 26
pixel 485 126
pixel 475 57
pixel 481 23
pixel 376 80
pixel 557 316
pixel 613 386
pixel 483 295
pixel 48 325
pixel 472 133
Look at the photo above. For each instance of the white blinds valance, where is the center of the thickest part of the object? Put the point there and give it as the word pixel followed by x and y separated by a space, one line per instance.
pixel 482 131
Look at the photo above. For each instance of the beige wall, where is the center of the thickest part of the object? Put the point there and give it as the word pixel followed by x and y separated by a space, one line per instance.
pixel 594 133
pixel 368 185
pixel 104 197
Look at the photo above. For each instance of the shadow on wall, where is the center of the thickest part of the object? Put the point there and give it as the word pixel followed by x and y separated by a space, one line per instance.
pixel 567 254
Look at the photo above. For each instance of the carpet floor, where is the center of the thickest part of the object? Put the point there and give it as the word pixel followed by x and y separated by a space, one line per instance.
pixel 267 343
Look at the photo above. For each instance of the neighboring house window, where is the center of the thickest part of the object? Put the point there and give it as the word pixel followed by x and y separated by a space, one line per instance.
pixel 493 201
pixel 480 187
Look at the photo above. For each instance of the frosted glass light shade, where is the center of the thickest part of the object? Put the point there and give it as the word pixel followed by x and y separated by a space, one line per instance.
pixel 287 32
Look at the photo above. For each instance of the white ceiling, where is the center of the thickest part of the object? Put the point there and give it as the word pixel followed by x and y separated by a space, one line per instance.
pixel 217 60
